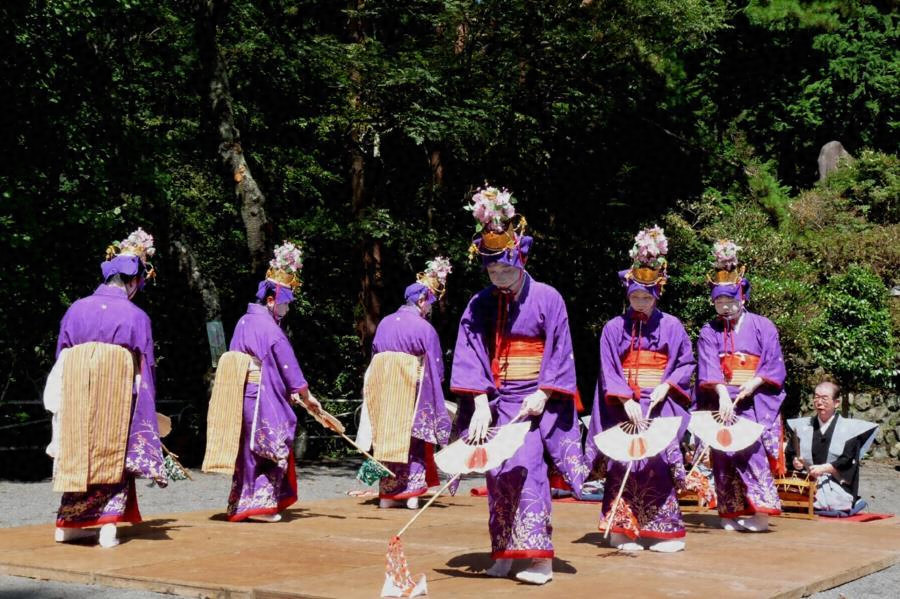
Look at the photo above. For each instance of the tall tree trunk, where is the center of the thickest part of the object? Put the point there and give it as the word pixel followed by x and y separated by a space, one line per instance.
pixel 209 14
pixel 371 282
pixel 204 286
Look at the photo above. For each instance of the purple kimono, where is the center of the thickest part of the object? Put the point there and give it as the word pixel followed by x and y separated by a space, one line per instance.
pixel 744 481
pixel 519 489
pixel 407 331
pixel 108 316
pixel 265 481
pixel 660 346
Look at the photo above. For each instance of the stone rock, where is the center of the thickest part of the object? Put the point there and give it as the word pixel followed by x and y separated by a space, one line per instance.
pixel 862 401
pixel 831 157
pixel 879 453
pixel 879 436
pixel 879 414
pixel 895 450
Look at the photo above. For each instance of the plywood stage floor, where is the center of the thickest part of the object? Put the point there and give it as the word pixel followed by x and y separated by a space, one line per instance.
pixel 336 549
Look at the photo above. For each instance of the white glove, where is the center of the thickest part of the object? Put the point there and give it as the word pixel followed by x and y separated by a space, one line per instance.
pixel 481 419
pixel 748 388
pixel 658 394
pixel 533 405
pixel 307 400
pixel 726 407
pixel 633 411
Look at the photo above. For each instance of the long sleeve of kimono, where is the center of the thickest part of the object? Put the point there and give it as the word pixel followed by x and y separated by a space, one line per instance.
pixel 557 374
pixel 709 367
pixel 612 377
pixel 471 374
pixel 771 363
pixel 145 456
pixel 433 352
pixel 283 353
pixel 64 341
pixel 683 355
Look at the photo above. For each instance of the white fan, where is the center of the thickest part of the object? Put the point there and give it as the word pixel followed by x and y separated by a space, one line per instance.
pixel 463 456
pixel 718 434
pixel 627 442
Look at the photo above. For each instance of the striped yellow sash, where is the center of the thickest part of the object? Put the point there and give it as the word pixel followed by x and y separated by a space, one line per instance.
pixel 391 392
pixel 226 410
pixel 95 414
pixel 741 367
pixel 646 368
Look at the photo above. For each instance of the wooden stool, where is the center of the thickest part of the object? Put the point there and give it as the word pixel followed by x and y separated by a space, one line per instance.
pixel 797 497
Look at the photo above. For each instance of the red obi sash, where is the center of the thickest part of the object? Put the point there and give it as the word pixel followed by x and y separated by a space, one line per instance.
pixel 644 368
pixel 739 368
pixel 518 359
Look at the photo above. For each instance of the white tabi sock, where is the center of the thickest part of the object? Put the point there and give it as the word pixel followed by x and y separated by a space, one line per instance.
pixel 65 535
pixel 412 503
pixel 729 524
pixel 266 517
pixel 388 503
pixel 667 546
pixel 539 572
pixel 108 536
pixel 500 569
pixel 623 543
pixel 755 523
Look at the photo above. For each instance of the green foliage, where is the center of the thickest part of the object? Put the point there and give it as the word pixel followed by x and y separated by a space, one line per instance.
pixel 852 338
pixel 602 117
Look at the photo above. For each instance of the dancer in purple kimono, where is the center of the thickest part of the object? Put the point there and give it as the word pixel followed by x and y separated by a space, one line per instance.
pixel 265 479
pixel 514 358
pixel 741 371
pixel 408 331
pixel 109 316
pixel 646 364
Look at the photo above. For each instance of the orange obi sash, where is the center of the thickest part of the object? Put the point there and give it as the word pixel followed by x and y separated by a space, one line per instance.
pixel 519 359
pixel 739 368
pixel 644 368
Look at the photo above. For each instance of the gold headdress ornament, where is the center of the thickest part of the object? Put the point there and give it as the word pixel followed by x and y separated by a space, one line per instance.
pixel 648 255
pixel 726 271
pixel 498 224
pixel 435 276
pixel 138 244
pixel 284 268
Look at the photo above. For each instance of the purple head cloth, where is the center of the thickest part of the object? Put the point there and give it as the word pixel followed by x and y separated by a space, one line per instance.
pixel 123 264
pixel 739 292
pixel 415 292
pixel 631 285
pixel 515 256
pixel 283 293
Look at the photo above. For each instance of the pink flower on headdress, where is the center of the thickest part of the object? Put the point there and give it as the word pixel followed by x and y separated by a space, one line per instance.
pixel 439 268
pixel 725 252
pixel 288 257
pixel 650 248
pixel 492 208
pixel 138 243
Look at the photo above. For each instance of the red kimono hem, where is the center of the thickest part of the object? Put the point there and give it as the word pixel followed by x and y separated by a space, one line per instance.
pixel 646 534
pixel 263 511
pixel 521 553
pixel 751 511
pixel 132 514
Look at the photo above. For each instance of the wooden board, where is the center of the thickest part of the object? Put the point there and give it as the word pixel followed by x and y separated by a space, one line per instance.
pixel 336 549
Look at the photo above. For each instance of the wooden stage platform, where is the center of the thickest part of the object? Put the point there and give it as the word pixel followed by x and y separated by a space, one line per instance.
pixel 335 549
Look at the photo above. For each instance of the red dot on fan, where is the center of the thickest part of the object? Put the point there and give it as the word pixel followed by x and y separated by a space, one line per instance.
pixel 478 458
pixel 724 437
pixel 637 448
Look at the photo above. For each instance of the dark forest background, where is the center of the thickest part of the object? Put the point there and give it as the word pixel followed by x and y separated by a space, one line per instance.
pixel 361 127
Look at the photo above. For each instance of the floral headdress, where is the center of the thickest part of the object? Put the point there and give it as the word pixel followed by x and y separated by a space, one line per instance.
pixel 648 255
pixel 435 275
pixel 285 267
pixel 494 211
pixel 728 270
pixel 140 245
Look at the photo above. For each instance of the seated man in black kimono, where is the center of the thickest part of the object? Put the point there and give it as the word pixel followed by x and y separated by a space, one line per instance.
pixel 829 447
